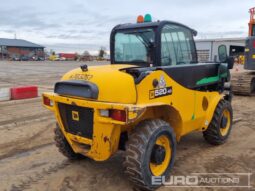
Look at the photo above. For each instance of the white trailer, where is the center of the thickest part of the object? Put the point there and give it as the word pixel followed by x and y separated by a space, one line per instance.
pixel 207 49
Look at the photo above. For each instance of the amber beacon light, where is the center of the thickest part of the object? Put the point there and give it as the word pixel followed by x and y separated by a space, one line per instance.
pixel 140 19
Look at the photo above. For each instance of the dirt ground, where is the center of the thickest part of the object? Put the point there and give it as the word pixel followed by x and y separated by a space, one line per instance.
pixel 29 159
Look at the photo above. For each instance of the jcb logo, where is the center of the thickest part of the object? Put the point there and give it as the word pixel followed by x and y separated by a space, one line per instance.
pixel 81 77
pixel 160 92
pixel 75 115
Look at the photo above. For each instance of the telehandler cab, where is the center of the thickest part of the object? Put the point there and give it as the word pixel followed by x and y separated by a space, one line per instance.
pixel 153 93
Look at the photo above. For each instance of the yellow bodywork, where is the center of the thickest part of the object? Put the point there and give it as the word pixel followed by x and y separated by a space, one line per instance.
pixel 185 110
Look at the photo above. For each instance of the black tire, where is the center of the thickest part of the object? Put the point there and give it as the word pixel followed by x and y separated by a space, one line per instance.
pixel 213 134
pixel 229 96
pixel 139 147
pixel 64 147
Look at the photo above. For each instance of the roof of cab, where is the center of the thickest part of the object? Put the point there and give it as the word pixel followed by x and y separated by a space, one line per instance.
pixel 150 24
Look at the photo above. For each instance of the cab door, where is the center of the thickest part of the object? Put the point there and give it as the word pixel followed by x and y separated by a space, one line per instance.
pixel 178 58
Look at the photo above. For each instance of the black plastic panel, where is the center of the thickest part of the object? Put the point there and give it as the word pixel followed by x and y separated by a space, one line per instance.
pixel 186 75
pixel 82 127
pixel 189 75
pixel 77 88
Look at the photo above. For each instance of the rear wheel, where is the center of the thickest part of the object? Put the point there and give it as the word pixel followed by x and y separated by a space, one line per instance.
pixel 64 147
pixel 150 151
pixel 221 124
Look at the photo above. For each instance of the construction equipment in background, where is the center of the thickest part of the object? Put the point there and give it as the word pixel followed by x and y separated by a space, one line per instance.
pixel 241 59
pixel 243 83
pixel 54 57
pixel 63 57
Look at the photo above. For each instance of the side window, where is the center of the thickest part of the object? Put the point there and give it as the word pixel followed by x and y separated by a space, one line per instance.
pixel 177 46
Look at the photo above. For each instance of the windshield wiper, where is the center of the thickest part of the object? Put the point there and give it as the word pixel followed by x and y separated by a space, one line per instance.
pixel 146 41
pixel 149 46
pixel 143 38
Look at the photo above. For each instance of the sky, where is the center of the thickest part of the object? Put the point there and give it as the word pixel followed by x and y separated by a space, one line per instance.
pixel 79 25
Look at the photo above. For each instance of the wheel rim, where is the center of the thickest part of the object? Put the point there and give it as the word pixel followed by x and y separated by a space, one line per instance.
pixel 159 167
pixel 225 122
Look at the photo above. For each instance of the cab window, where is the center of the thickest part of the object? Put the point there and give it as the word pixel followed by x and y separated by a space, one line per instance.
pixel 177 46
pixel 133 46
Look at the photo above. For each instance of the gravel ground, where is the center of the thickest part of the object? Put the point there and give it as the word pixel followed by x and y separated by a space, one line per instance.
pixel 29 159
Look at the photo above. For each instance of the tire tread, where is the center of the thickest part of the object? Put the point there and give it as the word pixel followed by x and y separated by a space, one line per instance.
pixel 212 134
pixel 63 145
pixel 135 147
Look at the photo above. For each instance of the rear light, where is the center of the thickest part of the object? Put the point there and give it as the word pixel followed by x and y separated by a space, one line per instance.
pixel 47 101
pixel 104 112
pixel 254 44
pixel 118 115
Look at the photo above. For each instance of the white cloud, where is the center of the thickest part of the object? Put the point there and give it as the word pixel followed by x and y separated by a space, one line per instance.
pixel 77 25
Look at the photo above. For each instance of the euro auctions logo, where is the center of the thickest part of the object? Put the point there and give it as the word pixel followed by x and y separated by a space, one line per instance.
pixel 220 180
pixel 175 180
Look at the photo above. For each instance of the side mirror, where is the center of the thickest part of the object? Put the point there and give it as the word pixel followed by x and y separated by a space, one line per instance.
pixel 222 53
pixel 230 62
pixel 223 56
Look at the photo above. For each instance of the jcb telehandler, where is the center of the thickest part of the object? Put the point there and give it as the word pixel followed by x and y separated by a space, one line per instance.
pixel 153 93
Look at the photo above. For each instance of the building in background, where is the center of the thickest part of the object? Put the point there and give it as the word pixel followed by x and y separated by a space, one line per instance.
pixel 18 49
pixel 207 49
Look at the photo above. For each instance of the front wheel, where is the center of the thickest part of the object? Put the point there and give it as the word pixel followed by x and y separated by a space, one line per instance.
pixel 220 127
pixel 150 151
